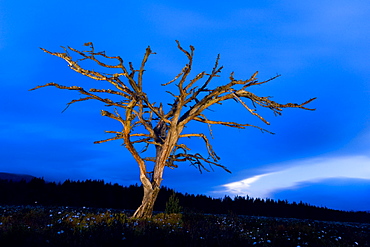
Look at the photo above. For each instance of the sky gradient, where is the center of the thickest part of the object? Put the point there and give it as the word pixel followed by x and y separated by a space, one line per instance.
pixel 321 49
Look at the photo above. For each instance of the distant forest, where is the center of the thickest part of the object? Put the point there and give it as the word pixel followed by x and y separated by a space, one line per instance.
pixel 98 194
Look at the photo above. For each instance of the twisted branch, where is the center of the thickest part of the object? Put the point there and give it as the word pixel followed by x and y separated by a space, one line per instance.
pixel 193 97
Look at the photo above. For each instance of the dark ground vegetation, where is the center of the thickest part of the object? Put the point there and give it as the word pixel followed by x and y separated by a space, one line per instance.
pixel 65 226
pixel 98 214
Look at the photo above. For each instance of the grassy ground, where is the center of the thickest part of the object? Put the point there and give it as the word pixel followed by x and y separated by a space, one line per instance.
pixel 63 226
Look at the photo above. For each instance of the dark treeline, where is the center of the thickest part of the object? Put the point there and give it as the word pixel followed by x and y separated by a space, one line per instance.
pixel 97 193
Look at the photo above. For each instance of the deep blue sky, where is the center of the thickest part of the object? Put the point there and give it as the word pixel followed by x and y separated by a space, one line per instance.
pixel 321 49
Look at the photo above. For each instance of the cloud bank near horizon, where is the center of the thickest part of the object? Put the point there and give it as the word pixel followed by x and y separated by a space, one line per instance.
pixel 296 174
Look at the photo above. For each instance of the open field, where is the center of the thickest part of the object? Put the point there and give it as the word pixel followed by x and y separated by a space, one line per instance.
pixel 66 226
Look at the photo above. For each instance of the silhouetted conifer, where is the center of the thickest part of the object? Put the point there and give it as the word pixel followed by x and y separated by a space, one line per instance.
pixel 97 193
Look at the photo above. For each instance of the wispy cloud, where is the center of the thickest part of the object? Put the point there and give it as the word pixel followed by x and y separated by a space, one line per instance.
pixel 310 170
pixel 344 18
pixel 328 31
pixel 176 22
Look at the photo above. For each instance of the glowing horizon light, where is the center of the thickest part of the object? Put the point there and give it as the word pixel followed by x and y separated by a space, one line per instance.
pixel 309 170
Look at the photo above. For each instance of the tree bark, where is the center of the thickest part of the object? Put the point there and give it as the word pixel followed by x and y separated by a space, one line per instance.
pixel 147 205
pixel 152 189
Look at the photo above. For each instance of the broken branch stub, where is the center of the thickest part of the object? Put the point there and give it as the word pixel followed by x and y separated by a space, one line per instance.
pixel 147 123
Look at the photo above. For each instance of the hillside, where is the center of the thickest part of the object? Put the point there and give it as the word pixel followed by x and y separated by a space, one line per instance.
pixel 15 177
pixel 98 194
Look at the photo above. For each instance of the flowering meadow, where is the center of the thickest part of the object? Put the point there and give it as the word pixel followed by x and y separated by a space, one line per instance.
pixel 81 226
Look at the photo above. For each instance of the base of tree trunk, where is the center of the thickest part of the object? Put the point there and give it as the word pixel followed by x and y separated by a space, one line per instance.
pixel 147 205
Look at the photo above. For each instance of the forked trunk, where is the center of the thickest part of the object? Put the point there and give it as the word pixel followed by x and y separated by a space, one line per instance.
pixel 152 187
pixel 147 205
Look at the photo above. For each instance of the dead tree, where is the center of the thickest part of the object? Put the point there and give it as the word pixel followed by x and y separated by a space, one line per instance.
pixel 163 128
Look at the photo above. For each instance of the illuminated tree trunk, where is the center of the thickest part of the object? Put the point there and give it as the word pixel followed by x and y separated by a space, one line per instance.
pixel 166 143
pixel 151 190
pixel 147 205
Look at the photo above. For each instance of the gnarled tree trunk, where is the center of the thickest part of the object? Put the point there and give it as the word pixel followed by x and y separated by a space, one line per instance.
pixel 147 205
pixel 167 141
pixel 151 190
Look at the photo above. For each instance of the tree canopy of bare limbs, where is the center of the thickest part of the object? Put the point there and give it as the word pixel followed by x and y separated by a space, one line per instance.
pixel 163 129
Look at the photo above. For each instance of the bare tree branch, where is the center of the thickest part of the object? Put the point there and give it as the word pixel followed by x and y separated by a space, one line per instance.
pixel 146 123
